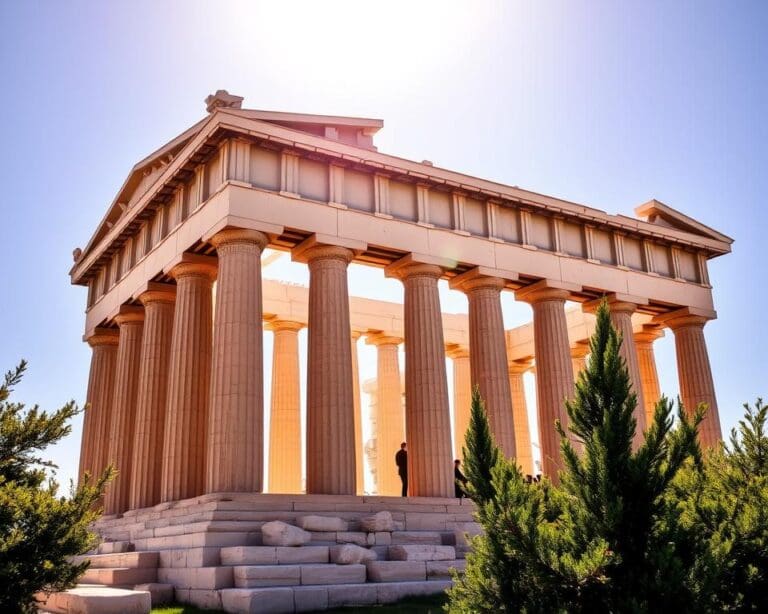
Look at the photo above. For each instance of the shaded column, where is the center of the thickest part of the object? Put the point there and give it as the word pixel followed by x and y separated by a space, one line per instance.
pixel 285 415
pixel 130 320
pixel 427 412
pixel 390 417
pixel 695 373
pixel 488 353
pixel 554 370
pixel 359 466
pixel 330 397
pixel 462 396
pixel 101 385
pixel 520 411
pixel 158 301
pixel 235 441
pixel 189 376
pixel 579 359
pixel 649 376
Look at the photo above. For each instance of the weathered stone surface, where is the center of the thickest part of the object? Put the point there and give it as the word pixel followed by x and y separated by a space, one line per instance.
pixel 203 598
pixel 190 557
pixel 249 555
pixel 422 552
pixel 121 559
pixel 352 537
pixel 267 575
pixel 257 601
pixel 380 521
pixel 197 577
pixel 390 593
pixel 417 537
pixel 332 574
pixel 352 595
pixel 349 554
pixel 470 529
pixel 322 523
pixel 292 555
pixel 310 598
pixel 442 569
pixel 278 533
pixel 119 576
pixel 99 600
pixel 114 547
pixel 396 571
pixel 160 593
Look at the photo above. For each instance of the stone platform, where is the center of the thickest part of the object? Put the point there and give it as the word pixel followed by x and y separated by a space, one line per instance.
pixel 316 552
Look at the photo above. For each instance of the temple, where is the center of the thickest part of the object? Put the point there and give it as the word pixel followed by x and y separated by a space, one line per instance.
pixel 175 395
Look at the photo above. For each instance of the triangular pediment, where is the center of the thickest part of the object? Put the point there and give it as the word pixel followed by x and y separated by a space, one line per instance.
pixel 656 212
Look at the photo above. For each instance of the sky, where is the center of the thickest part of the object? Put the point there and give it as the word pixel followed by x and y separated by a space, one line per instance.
pixel 604 103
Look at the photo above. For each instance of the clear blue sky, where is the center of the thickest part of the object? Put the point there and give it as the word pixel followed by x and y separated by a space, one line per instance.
pixel 605 103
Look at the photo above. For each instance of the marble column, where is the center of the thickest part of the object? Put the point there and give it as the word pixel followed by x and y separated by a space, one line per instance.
pixel 579 359
pixel 130 320
pixel 462 396
pixel 488 353
pixel 554 370
pixel 158 301
pixel 359 464
pixel 649 376
pixel 390 418
pixel 101 386
pixel 695 373
pixel 520 411
pixel 235 434
pixel 285 415
pixel 427 412
pixel 330 397
pixel 189 376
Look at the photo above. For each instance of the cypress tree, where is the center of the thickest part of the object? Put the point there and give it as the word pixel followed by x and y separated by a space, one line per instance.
pixel 480 453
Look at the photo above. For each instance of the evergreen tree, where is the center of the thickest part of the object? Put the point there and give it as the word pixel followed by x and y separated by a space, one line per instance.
pixel 38 529
pixel 605 539
pixel 480 453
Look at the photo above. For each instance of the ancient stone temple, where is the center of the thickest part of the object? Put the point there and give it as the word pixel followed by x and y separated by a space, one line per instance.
pixel 176 383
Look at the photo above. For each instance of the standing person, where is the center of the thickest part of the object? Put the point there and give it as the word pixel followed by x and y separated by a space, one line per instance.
pixel 459 480
pixel 401 460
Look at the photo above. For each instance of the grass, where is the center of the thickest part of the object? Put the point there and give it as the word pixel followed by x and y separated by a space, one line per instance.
pixel 425 605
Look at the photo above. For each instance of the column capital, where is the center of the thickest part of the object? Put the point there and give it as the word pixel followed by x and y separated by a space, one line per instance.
pixel 157 293
pixel 616 302
pixel 103 336
pixel 233 235
pixel 193 265
pixel 130 314
pixel 380 338
pixel 322 247
pixel 481 277
pixel 648 334
pixel 456 350
pixel 686 316
pixel 413 265
pixel 547 290
pixel 278 325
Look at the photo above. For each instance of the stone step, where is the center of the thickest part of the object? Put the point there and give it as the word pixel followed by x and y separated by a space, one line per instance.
pixel 98 600
pixel 161 593
pixel 441 570
pixel 190 557
pixel 421 552
pixel 121 559
pixel 207 578
pixel 273 555
pixel 199 540
pixel 396 571
pixel 417 537
pixel 289 599
pixel 119 576
pixel 255 576
pixel 113 547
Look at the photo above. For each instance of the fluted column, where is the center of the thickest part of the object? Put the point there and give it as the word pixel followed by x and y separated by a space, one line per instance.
pixel 427 412
pixel 488 353
pixel 130 320
pixel 520 410
pixel 695 373
pixel 101 386
pixel 285 416
pixel 579 359
pixel 189 376
pixel 554 371
pixel 158 301
pixel 359 466
pixel 648 373
pixel 390 419
pixel 462 396
pixel 235 441
pixel 330 397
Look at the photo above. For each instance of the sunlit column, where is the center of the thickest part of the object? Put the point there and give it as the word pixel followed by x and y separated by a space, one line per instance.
pixel 359 465
pixel 579 359
pixel 648 373
pixel 520 410
pixel 462 396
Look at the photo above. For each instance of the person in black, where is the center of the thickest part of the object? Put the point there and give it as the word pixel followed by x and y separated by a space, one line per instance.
pixel 401 460
pixel 459 480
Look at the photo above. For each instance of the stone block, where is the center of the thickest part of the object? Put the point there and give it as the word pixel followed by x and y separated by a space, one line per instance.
pixel 332 574
pixel 350 554
pixel 466 531
pixel 442 569
pixel 197 577
pixel 160 593
pixel 382 538
pixel 112 547
pixel 393 592
pixel 421 552
pixel 249 555
pixel 322 523
pixel 310 598
pixel 99 600
pixel 257 600
pixel 352 595
pixel 396 571
pixel 121 559
pixel 189 557
pixel 352 537
pixel 424 522
pixel 294 555
pixel 278 533
pixel 417 537
pixel 380 521
pixel 323 537
pixel 119 576
pixel 254 576
pixel 203 598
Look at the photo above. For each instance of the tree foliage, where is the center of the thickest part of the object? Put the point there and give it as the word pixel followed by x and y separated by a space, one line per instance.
pixel 39 530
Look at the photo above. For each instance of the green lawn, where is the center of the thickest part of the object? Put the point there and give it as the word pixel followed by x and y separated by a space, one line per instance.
pixel 426 605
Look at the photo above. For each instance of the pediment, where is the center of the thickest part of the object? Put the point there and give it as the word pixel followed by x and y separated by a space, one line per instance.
pixel 656 212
